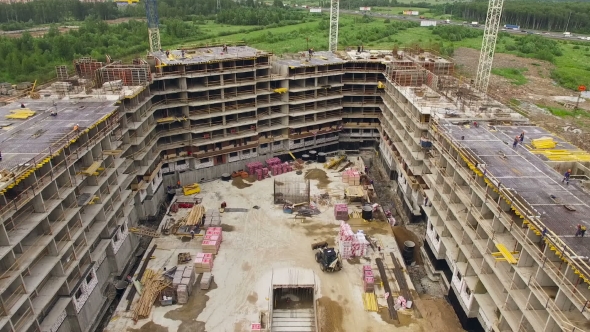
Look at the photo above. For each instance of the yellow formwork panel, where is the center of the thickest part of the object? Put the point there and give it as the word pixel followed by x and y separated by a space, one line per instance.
pixel 543 143
pixel 370 302
pixel 191 189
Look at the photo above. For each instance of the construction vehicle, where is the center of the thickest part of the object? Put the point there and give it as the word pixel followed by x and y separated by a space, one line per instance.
pixel 328 258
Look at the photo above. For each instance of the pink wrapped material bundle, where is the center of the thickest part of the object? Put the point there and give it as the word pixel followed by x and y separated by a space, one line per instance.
pixel 369 274
pixel 367 268
pixel 265 172
pixel 210 247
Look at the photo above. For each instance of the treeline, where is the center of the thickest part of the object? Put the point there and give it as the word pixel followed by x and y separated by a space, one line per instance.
pixel 455 33
pixel 529 15
pixel 352 4
pixel 261 16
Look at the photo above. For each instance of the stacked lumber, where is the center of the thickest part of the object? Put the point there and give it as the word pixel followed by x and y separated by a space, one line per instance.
pixel 195 216
pixel 543 143
pixel 153 283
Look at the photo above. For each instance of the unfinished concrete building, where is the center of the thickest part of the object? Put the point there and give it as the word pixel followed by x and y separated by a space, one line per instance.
pixel 496 222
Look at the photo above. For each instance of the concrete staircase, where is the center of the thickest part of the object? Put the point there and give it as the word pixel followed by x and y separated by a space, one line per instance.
pixel 293 320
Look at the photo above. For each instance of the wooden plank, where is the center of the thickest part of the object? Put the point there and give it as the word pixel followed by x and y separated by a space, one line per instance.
pixel 131 293
pixel 92 169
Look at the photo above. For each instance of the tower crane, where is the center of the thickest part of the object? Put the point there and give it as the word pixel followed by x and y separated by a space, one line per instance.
pixel 488 45
pixel 151 10
pixel 334 13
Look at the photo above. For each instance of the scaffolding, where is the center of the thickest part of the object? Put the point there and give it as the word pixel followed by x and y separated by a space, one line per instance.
pixel 86 67
pixel 291 192
pixel 62 73
pixel 137 74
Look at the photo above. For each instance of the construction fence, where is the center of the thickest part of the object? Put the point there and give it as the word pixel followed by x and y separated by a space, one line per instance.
pixel 291 191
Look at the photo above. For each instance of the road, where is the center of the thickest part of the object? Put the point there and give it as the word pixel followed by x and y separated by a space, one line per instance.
pixel 546 34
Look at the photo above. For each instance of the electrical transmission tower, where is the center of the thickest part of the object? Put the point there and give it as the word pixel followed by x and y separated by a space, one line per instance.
pixel 334 12
pixel 151 10
pixel 218 5
pixel 488 45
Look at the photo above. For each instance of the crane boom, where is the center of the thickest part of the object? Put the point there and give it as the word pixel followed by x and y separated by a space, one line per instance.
pixel 488 45
pixel 151 10
pixel 334 13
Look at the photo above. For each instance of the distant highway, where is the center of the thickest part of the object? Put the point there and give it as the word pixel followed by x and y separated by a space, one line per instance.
pixel 546 34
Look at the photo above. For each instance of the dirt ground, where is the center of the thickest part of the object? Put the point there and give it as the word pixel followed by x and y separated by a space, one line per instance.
pixel 539 90
pixel 65 29
pixel 259 243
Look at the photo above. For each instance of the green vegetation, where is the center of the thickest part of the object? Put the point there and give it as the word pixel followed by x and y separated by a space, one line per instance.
pixel 528 14
pixel 564 113
pixel 513 74
pixel 456 33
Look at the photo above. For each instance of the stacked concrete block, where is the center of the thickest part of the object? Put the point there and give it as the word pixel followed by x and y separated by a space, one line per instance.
pixel 253 167
pixel 212 240
pixel 286 167
pixel 177 280
pixel 272 162
pixel 345 239
pixel 341 211
pixel 212 218
pixel 206 280
pixel 368 279
pixel 352 177
pixel 182 294
pixel 203 263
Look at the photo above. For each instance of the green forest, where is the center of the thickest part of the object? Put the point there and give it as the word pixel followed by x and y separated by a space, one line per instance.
pixel 575 16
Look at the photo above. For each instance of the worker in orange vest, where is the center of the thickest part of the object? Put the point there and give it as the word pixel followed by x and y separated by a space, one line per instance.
pixel 178 183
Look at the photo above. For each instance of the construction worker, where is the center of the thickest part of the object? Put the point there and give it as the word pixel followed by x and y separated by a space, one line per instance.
pixel 578 230
pixel 582 230
pixel 521 137
pixel 22 105
pixel 566 177
pixel 178 183
pixel 53 113
pixel 223 205
pixel 0 156
pixel 77 127
pixel 224 49
pixel 515 143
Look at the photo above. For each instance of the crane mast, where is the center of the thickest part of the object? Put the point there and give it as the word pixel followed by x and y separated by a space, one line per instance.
pixel 488 45
pixel 151 10
pixel 334 13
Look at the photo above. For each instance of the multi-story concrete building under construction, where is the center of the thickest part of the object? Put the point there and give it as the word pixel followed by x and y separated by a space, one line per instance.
pixel 84 160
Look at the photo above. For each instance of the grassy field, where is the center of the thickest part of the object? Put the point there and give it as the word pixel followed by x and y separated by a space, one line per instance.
pixel 513 74
pixel 572 66
pixel 564 113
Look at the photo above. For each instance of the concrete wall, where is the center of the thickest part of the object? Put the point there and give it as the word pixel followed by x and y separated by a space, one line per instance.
pixel 119 260
pixel 91 308
pixel 67 325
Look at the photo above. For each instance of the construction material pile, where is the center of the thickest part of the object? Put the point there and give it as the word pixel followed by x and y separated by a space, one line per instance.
pixel 183 281
pixel 195 216
pixel 281 168
pixel 272 162
pixel 212 240
pixel 206 280
pixel 252 167
pixel 368 279
pixel 261 173
pixel 543 143
pixel 564 155
pixel 341 211
pixel 212 218
pixel 203 262
pixel 352 177
pixel 152 284
pixel 350 244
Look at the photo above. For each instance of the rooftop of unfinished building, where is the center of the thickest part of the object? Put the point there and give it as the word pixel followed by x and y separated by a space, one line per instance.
pixel 424 56
pixel 528 176
pixel 27 139
pixel 187 56
pixel 302 59
pixel 368 55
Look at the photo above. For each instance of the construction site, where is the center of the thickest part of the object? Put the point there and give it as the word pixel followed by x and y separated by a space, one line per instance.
pixel 225 188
